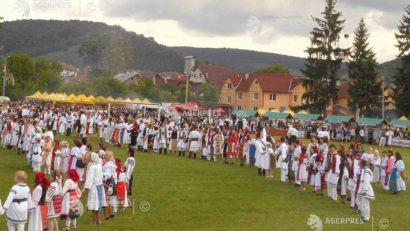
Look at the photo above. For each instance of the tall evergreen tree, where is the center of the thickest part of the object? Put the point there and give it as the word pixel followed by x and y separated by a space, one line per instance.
pixel 323 62
pixel 402 76
pixel 365 89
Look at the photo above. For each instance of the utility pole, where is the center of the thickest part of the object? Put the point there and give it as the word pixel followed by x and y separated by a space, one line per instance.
pixel 4 77
pixel 382 97
pixel 187 86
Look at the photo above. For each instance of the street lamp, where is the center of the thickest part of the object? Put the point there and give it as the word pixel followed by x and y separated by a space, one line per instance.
pixel 5 76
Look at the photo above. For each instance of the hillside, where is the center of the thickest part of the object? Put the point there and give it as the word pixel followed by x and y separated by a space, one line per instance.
pixel 60 40
pixel 242 60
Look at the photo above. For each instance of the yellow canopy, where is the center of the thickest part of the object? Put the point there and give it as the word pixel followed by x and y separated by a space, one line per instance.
pixel 289 111
pixel 146 101
pixel 274 110
pixel 82 99
pixel 119 99
pixel 262 112
pixel 303 112
pixel 91 98
pixel 36 95
pixel 403 118
pixel 109 98
pixel 100 99
pixel 128 100
pixel 136 100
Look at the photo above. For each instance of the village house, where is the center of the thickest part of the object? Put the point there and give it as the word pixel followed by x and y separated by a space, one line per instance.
pixel 262 91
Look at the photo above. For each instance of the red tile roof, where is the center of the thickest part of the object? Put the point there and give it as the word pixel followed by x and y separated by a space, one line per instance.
pixel 216 74
pixel 235 80
pixel 280 83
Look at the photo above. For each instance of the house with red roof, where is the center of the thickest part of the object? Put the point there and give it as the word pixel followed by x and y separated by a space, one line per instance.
pixel 215 75
pixel 262 91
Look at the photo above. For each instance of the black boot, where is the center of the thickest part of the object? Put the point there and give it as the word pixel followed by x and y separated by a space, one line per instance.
pixel 160 151
pixel 259 172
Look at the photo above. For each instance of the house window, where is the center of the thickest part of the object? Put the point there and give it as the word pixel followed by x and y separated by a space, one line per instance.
pixel 255 96
pixel 229 99
pixel 255 108
pixel 272 97
pixel 295 98
pixel 229 86
pixel 239 95
pixel 238 108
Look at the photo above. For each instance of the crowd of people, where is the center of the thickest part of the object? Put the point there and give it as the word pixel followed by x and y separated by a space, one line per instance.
pixel 64 170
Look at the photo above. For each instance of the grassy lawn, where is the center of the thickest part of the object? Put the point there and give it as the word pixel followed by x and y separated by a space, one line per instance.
pixel 173 193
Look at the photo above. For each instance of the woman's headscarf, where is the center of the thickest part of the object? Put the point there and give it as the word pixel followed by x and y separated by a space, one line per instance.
pixel 95 158
pixel 41 179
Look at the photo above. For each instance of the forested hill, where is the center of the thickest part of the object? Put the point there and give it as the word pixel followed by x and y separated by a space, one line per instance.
pixel 60 40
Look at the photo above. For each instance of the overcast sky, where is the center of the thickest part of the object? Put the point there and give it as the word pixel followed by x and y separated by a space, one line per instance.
pixel 280 26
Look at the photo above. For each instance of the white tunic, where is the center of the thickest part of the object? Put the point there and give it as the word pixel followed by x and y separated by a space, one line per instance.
pixel 365 187
pixel 94 179
pixel 194 138
pixel 17 212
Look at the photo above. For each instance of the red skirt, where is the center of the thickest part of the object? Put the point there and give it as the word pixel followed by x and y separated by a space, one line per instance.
pixel 44 217
pixel 115 136
pixel 121 189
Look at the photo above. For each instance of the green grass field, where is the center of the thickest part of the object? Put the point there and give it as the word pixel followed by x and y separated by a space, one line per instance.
pixel 173 193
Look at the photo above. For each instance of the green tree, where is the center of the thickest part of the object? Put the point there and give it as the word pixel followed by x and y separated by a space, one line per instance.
pixel 275 68
pixel 93 49
pixel 24 71
pixel 208 93
pixel 108 86
pixel 323 62
pixel 365 89
pixel 120 55
pixel 402 76
pixel 147 89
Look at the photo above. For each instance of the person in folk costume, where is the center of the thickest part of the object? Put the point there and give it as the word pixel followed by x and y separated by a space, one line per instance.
pixel 122 185
pixel 302 174
pixel 319 173
pixel 344 175
pixel 62 124
pixel 55 159
pixel 155 146
pixel 74 153
pixel 397 176
pixel 333 173
pixel 311 153
pixel 365 191
pixel 140 138
pixel 268 160
pixel 71 200
pixel 54 200
pixel 83 124
pixel 101 127
pixel 163 137
pixel 70 123
pixel 182 140
pixel 55 123
pixel 388 169
pixel 232 142
pixel 295 159
pixel 151 132
pixel 36 154
pixel 110 129
pixel 354 168
pixel 110 180
pixel 218 142
pixel 18 203
pixel 126 136
pixel 281 153
pixel 129 166
pixel 38 216
pixel 87 159
pixel 383 164
pixel 208 142
pixel 65 158
pixel 169 127
pixel 96 200
pixel 145 139
pixel 8 137
pixel 174 140
pixel 289 161
pixel 133 131
pixel 389 135
pixel 260 151
pixel 16 133
pixel 226 133
pixel 376 166
pixel 194 141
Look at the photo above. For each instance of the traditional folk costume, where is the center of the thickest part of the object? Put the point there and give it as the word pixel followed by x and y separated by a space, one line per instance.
pixel 396 182
pixel 365 192
pixel 376 168
pixel 282 153
pixel 333 176
pixel 94 183
pixel 302 174
pixel 71 200
pixel 182 141
pixel 122 192
pixel 260 152
pixel 352 182
pixel 110 181
pixel 319 172
pixel 162 139
pixel 38 216
pixel 344 178
pixel 194 142
pixel 174 140
pixel 116 134
pixel 129 169
pixel 17 206
pixel 388 169
pixel 218 145
pixel 295 162
pixel 36 156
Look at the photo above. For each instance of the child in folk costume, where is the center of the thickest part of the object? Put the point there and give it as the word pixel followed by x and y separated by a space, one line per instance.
pixel 365 191
pixel 65 158
pixel 260 151
pixel 62 124
pixel 94 184
pixel 376 166
pixel 397 176
pixel 162 139
pixel 232 151
pixel 140 137
pixel 319 172
pixel 18 203
pixel 71 199
pixel 54 201
pixel 333 173
pixel 122 186
pixel 36 154
pixel 129 166
pixel 182 141
pixel 38 216
pixel 194 141
pixel 268 158
pixel 110 180
pixel 302 174
pixel 56 158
